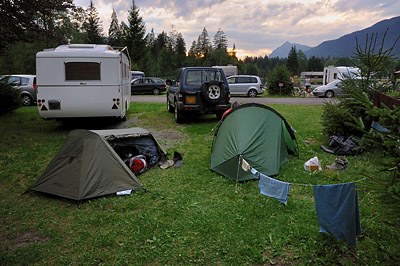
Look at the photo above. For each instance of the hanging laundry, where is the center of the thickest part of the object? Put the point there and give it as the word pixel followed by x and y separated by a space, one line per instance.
pixel 272 187
pixel 337 211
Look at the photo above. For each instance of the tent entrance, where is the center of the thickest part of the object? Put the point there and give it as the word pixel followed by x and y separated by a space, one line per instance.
pixel 129 147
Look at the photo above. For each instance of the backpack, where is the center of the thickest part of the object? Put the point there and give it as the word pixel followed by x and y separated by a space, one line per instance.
pixel 347 147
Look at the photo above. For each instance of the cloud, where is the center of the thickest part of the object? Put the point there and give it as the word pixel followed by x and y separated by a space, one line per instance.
pixel 255 26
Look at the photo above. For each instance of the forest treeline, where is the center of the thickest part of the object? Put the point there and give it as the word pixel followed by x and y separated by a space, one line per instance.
pixel 28 26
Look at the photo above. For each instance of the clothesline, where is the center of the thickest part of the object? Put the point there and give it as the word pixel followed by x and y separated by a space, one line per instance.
pixel 247 167
pixel 336 205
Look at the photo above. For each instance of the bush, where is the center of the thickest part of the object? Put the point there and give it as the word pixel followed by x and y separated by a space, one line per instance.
pixel 337 120
pixel 10 98
pixel 280 74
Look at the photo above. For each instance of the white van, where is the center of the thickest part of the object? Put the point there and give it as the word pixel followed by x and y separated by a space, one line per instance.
pixel 332 73
pixel 82 80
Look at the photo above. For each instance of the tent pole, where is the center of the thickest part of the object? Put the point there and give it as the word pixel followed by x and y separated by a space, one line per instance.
pixel 237 172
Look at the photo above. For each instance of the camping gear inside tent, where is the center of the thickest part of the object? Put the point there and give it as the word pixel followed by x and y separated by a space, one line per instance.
pixel 94 163
pixel 257 133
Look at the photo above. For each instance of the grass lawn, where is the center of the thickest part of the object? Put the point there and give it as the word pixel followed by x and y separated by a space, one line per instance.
pixel 190 215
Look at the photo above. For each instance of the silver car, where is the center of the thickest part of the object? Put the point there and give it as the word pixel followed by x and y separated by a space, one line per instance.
pixel 27 85
pixel 329 90
pixel 245 85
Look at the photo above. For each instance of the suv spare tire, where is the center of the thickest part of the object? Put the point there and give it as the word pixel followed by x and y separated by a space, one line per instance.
pixel 213 91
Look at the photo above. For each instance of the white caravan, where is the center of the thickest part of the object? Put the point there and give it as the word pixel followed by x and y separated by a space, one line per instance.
pixel 332 73
pixel 137 74
pixel 229 70
pixel 83 80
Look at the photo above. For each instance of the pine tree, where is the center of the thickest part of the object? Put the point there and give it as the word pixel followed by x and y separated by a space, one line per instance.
pixel 92 25
pixel 114 32
pixel 193 51
pixel 203 44
pixel 180 51
pixel 292 62
pixel 135 39
pixel 124 33
pixel 360 111
pixel 220 40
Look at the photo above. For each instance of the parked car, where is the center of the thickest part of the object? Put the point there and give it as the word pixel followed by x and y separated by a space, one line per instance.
pixel 245 85
pixel 329 90
pixel 148 85
pixel 197 91
pixel 27 85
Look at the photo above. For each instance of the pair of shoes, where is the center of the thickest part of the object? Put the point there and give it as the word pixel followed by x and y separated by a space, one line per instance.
pixel 167 164
pixel 339 164
pixel 178 159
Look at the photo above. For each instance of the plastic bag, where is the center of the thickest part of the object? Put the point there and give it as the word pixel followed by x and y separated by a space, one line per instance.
pixel 312 165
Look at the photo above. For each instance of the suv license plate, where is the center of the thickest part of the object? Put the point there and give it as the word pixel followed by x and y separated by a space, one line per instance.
pixel 191 99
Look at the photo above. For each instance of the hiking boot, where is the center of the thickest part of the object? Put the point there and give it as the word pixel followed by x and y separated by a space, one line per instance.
pixel 178 159
pixel 339 164
pixel 167 164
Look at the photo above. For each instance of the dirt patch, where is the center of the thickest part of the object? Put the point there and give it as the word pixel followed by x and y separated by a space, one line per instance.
pixel 165 135
pixel 24 239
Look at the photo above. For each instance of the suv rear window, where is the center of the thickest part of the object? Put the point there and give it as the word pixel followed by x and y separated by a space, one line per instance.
pixel 198 77
pixel 82 71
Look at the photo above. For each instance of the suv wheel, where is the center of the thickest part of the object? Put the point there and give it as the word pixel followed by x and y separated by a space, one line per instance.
pixel 252 93
pixel 170 108
pixel 179 117
pixel 26 100
pixel 213 91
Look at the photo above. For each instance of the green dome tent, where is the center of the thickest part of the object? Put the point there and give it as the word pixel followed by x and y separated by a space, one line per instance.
pixel 256 132
pixel 89 164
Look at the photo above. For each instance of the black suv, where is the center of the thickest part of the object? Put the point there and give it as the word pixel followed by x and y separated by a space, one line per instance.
pixel 198 90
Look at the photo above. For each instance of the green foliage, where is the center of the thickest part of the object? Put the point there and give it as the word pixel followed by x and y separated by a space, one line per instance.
pixel 21 58
pixel 19 20
pixel 280 74
pixel 10 98
pixel 355 114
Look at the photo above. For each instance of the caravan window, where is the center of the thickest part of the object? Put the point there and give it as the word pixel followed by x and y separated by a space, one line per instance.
pixel 82 71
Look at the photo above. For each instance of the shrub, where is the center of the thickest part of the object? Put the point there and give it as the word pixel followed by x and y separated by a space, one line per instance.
pixel 9 97
pixel 280 74
pixel 337 120
pixel 354 115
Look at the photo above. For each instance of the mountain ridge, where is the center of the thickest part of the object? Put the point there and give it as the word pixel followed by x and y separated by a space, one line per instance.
pixel 345 45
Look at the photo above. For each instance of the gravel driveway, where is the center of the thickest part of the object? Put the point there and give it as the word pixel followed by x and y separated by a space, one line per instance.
pixel 299 101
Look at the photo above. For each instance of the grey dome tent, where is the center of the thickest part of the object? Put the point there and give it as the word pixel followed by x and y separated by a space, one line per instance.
pixel 91 163
pixel 256 132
